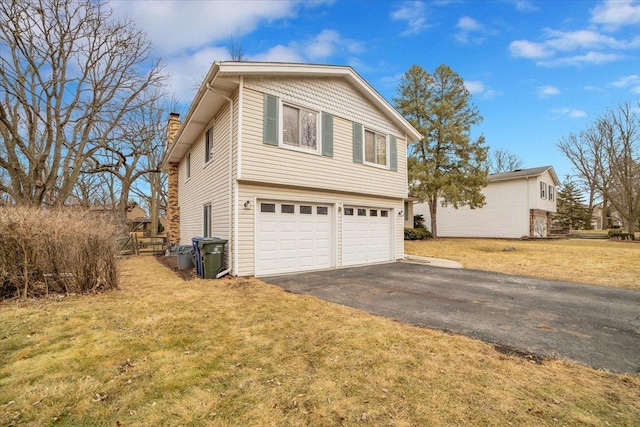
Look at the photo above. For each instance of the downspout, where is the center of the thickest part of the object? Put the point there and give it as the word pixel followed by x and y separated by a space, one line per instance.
pixel 239 137
pixel 212 89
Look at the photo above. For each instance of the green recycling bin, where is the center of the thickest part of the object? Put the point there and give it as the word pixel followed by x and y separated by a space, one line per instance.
pixel 212 252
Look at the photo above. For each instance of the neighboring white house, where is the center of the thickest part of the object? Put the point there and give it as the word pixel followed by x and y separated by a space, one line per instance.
pixel 519 203
pixel 300 167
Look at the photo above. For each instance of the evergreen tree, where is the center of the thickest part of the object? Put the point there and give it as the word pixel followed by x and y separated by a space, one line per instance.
pixel 446 165
pixel 571 208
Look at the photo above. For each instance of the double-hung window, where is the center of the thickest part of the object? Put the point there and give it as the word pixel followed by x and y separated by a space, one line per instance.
pixel 208 145
pixel 375 147
pixel 291 126
pixel 551 191
pixel 543 190
pixel 299 127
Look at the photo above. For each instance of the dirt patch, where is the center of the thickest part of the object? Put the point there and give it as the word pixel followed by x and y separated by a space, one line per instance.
pixel 510 351
pixel 171 262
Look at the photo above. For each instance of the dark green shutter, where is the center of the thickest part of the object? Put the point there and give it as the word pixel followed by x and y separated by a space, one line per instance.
pixel 357 143
pixel 393 153
pixel 270 128
pixel 327 135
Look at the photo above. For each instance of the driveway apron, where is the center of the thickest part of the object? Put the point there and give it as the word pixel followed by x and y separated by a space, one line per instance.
pixel 593 325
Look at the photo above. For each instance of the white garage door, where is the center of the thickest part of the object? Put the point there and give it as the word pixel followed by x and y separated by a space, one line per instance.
pixel 366 235
pixel 293 236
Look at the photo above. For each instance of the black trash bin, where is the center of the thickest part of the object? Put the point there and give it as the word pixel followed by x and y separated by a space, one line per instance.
pixel 212 255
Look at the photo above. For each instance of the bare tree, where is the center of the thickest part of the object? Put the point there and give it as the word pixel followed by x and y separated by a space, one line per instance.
pixel 235 50
pixel 504 161
pixel 69 76
pixel 607 157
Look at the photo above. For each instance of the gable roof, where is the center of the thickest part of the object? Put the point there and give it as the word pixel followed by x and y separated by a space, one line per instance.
pixel 524 173
pixel 223 79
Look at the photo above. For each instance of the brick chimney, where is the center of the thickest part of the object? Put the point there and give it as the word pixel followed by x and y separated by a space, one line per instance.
pixel 173 208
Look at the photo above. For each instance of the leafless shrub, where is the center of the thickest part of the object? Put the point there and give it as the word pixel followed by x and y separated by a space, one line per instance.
pixel 55 251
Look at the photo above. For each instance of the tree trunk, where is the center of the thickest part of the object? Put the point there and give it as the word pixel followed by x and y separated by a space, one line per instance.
pixel 153 209
pixel 433 208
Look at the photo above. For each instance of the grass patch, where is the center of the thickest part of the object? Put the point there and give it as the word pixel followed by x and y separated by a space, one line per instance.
pixel 596 262
pixel 237 352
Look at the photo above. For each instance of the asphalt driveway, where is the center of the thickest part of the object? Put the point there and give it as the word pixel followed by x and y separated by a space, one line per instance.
pixel 593 325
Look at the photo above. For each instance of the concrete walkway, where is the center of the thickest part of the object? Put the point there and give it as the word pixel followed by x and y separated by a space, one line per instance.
pixel 434 262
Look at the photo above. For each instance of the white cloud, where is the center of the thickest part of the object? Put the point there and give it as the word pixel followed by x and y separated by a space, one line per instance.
pixel 547 91
pixel 527 49
pixel 186 72
pixel 178 25
pixel 633 79
pixel 471 31
pixel 524 6
pixel 188 69
pixel 467 23
pixel 474 86
pixel 569 112
pixel 279 53
pixel 570 48
pixel 616 13
pixel 326 44
pixel 588 39
pixel 595 58
pixel 478 88
pixel 414 15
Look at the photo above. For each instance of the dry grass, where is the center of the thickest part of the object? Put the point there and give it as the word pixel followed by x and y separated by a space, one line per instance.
pixel 237 352
pixel 597 262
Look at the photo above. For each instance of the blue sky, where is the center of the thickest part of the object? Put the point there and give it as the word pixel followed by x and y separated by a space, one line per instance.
pixel 537 70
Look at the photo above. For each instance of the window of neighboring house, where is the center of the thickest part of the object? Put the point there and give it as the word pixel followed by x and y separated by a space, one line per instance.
pixel 375 148
pixel 206 220
pixel 543 190
pixel 188 165
pixel 551 192
pixel 208 145
pixel 299 127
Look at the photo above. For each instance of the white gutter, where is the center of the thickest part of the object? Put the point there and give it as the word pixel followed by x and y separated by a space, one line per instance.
pixel 231 235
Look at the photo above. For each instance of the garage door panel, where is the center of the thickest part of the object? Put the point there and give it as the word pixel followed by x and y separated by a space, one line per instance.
pixel 366 236
pixel 294 240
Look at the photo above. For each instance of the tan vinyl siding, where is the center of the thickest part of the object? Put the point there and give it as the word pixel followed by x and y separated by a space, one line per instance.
pixel 252 193
pixel 208 184
pixel 277 165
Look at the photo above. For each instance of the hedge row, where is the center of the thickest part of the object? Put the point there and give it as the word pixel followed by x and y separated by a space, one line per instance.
pixel 61 251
